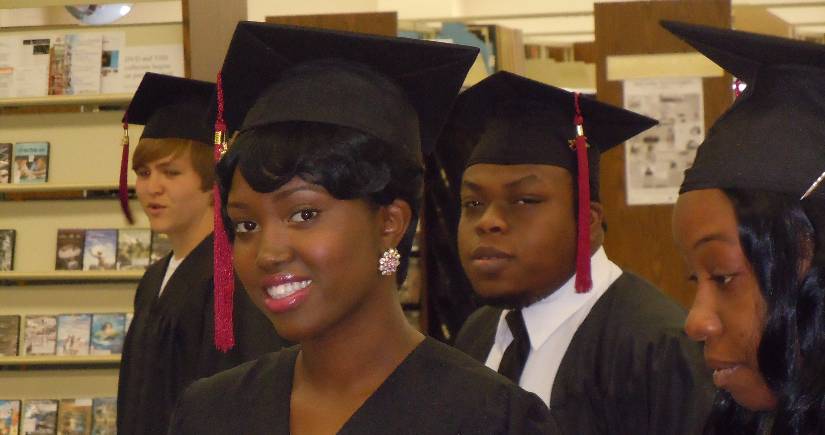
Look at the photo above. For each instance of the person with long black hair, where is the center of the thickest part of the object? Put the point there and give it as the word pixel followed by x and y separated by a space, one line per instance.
pixel 750 222
pixel 321 188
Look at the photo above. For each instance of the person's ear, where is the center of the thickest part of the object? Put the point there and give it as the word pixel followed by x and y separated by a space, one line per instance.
pixel 394 219
pixel 596 225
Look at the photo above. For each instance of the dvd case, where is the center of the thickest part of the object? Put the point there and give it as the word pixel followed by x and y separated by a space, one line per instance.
pixel 31 162
pixel 73 334
pixel 70 244
pixel 41 335
pixel 39 417
pixel 7 238
pixel 9 335
pixel 108 331
pixel 133 249
pixel 100 250
pixel 75 416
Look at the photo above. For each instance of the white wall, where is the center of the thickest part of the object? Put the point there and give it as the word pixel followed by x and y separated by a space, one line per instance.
pixel 258 10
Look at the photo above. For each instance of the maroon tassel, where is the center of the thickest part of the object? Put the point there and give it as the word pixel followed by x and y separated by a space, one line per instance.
pixel 123 188
pixel 224 276
pixel 584 281
pixel 736 91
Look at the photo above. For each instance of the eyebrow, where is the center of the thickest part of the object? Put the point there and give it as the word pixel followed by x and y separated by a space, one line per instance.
pixel 527 179
pixel 714 237
pixel 279 194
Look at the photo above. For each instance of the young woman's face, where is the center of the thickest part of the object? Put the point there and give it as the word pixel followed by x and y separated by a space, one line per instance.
pixel 308 260
pixel 728 314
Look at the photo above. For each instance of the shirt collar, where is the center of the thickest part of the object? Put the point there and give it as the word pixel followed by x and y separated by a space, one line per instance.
pixel 544 317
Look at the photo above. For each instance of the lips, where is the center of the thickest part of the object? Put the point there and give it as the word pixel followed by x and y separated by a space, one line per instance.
pixel 723 371
pixel 285 291
pixel 489 260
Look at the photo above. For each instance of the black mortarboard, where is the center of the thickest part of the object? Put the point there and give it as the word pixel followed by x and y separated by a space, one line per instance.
pixel 167 107
pixel 396 89
pixel 773 137
pixel 522 121
pixel 172 107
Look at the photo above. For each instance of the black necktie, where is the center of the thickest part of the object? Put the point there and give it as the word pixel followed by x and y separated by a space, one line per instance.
pixel 512 363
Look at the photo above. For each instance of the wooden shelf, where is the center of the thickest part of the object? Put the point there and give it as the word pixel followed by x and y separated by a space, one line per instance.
pixel 14 4
pixel 55 187
pixel 58 360
pixel 72 276
pixel 68 100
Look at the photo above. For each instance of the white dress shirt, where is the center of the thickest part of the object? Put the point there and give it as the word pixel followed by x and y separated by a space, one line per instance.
pixel 551 324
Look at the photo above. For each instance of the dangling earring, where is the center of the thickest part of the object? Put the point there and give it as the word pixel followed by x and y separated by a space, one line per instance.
pixel 389 262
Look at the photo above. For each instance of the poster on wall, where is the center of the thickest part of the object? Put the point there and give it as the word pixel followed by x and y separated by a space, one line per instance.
pixel 138 60
pixel 655 160
pixel 74 64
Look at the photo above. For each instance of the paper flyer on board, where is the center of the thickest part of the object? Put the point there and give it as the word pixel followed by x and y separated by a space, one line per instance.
pixel 74 66
pixel 655 160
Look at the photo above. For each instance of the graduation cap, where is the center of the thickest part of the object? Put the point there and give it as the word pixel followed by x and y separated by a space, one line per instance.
pixel 522 121
pixel 773 137
pixel 397 89
pixel 168 107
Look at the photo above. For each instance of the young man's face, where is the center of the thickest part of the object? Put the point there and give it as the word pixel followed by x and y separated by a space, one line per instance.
pixel 169 190
pixel 517 233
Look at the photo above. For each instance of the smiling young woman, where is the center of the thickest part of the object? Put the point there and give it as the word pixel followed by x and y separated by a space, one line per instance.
pixel 750 223
pixel 322 187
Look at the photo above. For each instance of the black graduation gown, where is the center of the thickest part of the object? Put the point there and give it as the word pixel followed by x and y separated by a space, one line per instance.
pixel 435 390
pixel 170 341
pixel 629 369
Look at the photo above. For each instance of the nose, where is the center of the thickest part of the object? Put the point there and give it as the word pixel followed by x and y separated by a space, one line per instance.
pixel 492 221
pixel 273 252
pixel 703 320
pixel 154 183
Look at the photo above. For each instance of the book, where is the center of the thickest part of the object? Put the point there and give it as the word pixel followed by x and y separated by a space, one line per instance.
pixel 73 334
pixel 7 249
pixel 104 416
pixel 74 417
pixel 108 331
pixel 9 417
pixel 69 249
pixel 133 249
pixel 100 250
pixel 39 417
pixel 31 162
pixel 161 246
pixel 129 317
pixel 5 163
pixel 9 335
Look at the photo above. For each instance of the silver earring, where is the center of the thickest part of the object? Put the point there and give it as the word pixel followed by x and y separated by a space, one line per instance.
pixel 389 262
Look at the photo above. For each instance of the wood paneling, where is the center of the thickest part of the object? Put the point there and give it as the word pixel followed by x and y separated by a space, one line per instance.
pixel 639 237
pixel 378 23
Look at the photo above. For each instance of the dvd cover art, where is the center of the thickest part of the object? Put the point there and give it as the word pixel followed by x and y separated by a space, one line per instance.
pixel 73 334
pixel 104 416
pixel 9 417
pixel 160 246
pixel 31 162
pixel 5 163
pixel 70 244
pixel 41 335
pixel 9 335
pixel 7 249
pixel 129 317
pixel 39 417
pixel 133 249
pixel 75 417
pixel 108 331
pixel 100 250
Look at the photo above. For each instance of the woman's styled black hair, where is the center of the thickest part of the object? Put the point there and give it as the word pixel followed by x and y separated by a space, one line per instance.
pixel 784 241
pixel 348 163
